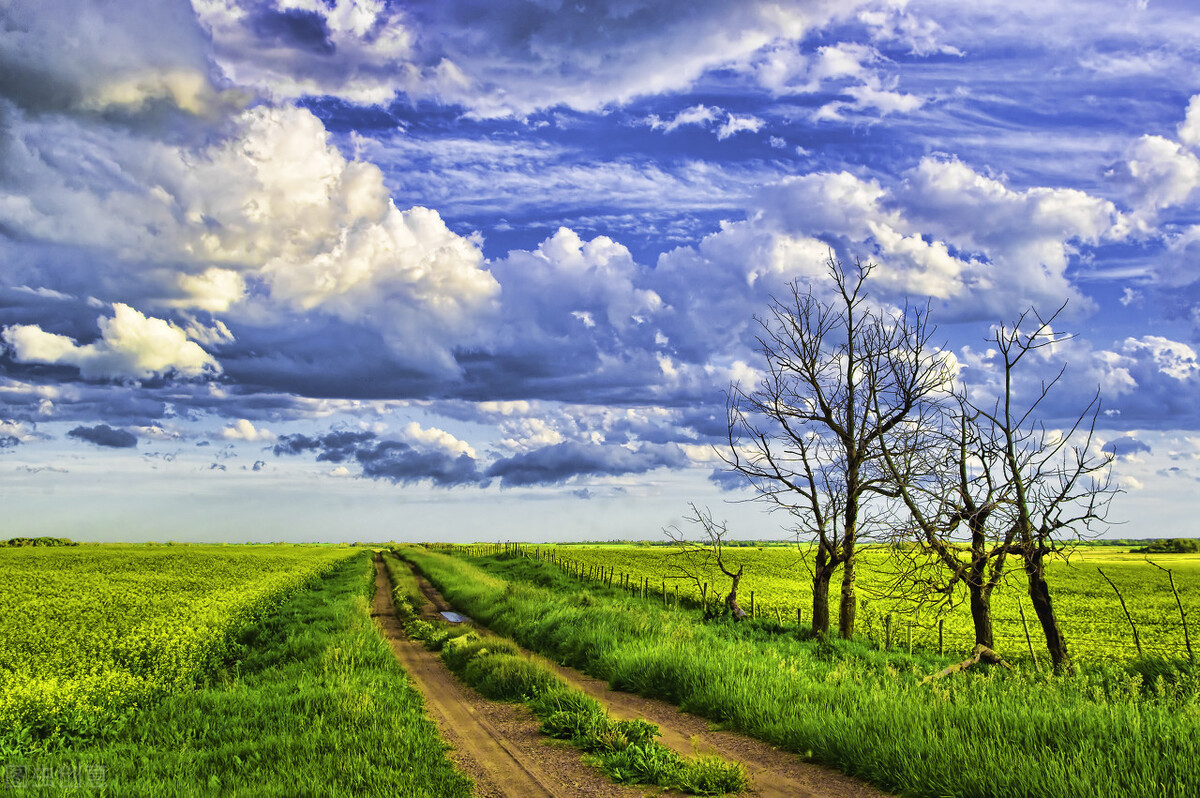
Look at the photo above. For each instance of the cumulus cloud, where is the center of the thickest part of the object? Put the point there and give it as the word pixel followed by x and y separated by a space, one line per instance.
pixel 131 346
pixel 1189 129
pixel 433 436
pixel 105 436
pixel 1162 174
pixel 244 430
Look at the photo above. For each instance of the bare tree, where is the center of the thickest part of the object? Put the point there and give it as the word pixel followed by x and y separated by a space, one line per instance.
pixel 1055 486
pixel 839 375
pixel 694 560
pixel 956 533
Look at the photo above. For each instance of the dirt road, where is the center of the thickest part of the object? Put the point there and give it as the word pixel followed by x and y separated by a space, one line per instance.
pixel 498 745
pixel 775 773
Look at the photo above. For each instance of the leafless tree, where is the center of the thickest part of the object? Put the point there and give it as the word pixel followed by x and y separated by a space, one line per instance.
pixel 693 560
pixel 1055 487
pixel 956 533
pixel 839 375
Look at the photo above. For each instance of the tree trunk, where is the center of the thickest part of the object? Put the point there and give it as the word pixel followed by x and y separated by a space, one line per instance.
pixel 822 573
pixel 1039 596
pixel 848 607
pixel 731 600
pixel 981 615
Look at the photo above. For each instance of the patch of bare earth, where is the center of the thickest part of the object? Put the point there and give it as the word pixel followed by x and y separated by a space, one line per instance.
pixel 775 773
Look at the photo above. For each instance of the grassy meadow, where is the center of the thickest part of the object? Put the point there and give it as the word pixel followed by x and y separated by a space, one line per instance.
pixel 1108 729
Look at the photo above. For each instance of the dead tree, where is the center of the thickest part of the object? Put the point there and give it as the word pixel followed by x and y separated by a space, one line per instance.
pixel 693 560
pixel 1056 487
pixel 955 533
pixel 839 374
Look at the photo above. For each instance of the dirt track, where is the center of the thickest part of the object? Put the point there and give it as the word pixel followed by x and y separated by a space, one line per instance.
pixel 775 773
pixel 497 744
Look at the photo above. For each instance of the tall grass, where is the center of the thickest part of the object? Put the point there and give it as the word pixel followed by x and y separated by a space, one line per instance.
pixel 1101 732
pixel 316 706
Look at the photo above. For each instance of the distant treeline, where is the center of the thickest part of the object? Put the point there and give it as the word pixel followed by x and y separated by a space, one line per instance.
pixel 1170 546
pixel 39 542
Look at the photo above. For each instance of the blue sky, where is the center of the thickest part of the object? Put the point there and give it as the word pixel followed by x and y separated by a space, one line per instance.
pixel 326 270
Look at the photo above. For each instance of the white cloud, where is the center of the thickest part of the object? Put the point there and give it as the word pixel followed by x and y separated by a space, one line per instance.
pixel 433 436
pixel 1189 129
pixel 504 63
pixel 1174 359
pixel 131 346
pixel 275 207
pixel 244 430
pixel 735 124
pixel 1163 175
pixel 700 115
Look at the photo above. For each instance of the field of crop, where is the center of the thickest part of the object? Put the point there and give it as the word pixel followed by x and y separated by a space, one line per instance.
pixel 88 634
pixel 1089 610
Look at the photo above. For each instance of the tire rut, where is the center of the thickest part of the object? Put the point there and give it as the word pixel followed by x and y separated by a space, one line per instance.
pixel 498 745
pixel 775 773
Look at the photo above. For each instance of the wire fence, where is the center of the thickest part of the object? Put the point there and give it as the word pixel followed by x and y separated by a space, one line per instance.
pixel 1013 636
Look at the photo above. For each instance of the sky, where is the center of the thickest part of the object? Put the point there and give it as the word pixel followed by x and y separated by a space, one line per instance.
pixel 462 270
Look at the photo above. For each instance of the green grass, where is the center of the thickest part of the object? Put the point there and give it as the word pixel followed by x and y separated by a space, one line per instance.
pixel 88 635
pixel 1104 731
pixel 1088 609
pixel 625 750
pixel 316 706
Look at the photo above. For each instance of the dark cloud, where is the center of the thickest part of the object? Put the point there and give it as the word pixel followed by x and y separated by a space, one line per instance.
pixel 302 30
pixel 728 480
pixel 104 435
pixel 401 463
pixel 552 465
pixel 334 447
pixel 1125 446
pixel 8 441
pixel 394 461
pixel 259 465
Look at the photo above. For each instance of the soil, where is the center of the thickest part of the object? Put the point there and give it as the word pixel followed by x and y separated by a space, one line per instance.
pixel 775 773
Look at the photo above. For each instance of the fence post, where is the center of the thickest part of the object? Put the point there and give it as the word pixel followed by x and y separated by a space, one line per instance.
pixel 941 648
pixel 751 603
pixel 887 632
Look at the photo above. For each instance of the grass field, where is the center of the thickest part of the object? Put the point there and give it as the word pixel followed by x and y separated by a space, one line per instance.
pixel 1089 610
pixel 89 634
pixel 1103 731
pixel 315 706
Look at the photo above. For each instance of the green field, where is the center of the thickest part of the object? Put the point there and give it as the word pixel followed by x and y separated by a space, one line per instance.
pixel 1089 610
pixel 89 634
pixel 297 692
pixel 1105 730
